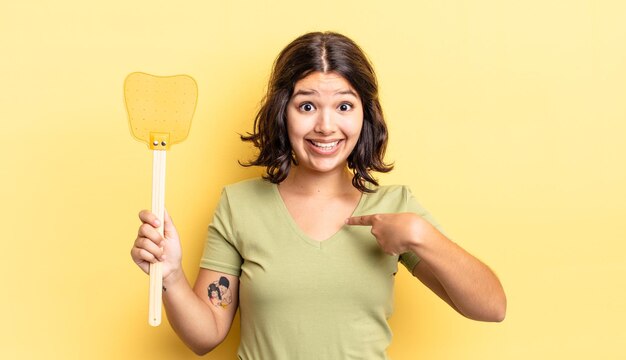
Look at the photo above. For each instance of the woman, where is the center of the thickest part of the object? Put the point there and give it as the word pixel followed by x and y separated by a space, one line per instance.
pixel 214 295
pixel 303 248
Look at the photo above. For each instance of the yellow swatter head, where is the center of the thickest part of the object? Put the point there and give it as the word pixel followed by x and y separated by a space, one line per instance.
pixel 160 108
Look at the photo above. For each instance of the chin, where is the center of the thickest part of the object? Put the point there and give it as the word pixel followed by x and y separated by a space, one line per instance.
pixel 325 168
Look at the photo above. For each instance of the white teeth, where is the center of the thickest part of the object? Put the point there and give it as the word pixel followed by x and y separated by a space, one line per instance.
pixel 326 146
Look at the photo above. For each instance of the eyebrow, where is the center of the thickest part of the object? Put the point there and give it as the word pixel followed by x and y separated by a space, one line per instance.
pixel 313 92
pixel 347 92
pixel 304 92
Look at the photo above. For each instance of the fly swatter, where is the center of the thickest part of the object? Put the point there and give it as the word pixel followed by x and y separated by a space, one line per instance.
pixel 160 109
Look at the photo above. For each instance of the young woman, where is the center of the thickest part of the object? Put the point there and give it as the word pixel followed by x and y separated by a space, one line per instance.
pixel 310 251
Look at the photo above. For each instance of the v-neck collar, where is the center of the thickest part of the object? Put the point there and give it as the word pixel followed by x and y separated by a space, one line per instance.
pixel 301 234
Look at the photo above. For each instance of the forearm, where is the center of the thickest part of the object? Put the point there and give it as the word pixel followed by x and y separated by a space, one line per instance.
pixel 470 285
pixel 189 316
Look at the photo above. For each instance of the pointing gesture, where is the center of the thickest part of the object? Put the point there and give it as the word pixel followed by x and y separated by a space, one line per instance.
pixel 395 233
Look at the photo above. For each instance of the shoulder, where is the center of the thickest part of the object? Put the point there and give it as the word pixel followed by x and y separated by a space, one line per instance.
pixel 392 190
pixel 254 185
pixel 249 190
pixel 388 198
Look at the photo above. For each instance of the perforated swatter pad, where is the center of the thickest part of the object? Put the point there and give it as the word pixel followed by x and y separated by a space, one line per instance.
pixel 160 108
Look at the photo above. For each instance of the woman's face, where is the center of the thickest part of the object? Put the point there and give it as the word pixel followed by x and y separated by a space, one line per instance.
pixel 324 121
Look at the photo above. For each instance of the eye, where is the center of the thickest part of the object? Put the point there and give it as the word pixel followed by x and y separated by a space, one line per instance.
pixel 345 107
pixel 306 107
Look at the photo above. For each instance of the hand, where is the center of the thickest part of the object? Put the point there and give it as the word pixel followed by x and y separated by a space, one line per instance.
pixel 395 233
pixel 150 246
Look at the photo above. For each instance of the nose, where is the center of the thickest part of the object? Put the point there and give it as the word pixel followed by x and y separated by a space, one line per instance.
pixel 325 124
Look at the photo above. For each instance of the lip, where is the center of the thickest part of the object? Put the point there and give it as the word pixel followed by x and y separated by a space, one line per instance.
pixel 321 150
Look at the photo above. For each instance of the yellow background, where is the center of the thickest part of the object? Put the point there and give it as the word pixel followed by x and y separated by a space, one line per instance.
pixel 507 119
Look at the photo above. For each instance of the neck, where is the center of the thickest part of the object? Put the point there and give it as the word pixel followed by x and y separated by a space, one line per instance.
pixel 326 184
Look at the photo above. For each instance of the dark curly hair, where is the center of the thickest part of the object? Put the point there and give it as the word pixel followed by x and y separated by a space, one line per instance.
pixel 324 52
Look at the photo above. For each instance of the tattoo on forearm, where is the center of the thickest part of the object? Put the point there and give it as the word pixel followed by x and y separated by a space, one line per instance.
pixel 219 292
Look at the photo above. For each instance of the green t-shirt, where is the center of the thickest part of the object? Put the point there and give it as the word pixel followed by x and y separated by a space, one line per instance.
pixel 300 298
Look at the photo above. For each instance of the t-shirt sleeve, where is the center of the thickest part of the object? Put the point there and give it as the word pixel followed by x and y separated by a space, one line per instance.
pixel 410 259
pixel 220 252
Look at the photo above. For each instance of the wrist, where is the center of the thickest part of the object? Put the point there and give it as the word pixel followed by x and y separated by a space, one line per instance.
pixel 425 235
pixel 174 279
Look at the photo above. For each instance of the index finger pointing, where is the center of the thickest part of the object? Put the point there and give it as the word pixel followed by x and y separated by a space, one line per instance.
pixel 365 220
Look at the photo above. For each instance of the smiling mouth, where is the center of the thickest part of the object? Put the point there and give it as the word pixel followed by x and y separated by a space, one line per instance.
pixel 325 146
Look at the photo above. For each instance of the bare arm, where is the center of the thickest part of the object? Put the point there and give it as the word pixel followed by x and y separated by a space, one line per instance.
pixel 465 283
pixel 200 322
pixel 456 276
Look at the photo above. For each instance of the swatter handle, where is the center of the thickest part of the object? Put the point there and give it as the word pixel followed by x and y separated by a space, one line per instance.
pixel 158 208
